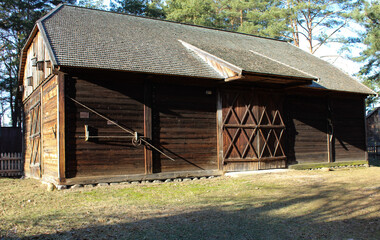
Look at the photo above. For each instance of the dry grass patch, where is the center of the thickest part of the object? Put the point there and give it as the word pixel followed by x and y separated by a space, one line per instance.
pixel 341 204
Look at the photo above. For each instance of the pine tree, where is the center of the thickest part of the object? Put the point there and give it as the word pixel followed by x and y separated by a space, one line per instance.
pixel 17 18
pixel 149 8
pixel 318 21
pixel 369 17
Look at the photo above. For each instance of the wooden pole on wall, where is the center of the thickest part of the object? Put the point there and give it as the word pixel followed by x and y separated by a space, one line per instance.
pixel 61 130
pixel 148 154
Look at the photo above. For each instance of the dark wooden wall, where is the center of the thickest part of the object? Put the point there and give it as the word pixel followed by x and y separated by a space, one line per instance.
pixel 184 126
pixel 348 128
pixel 313 120
pixel 121 101
pixel 306 129
pixel 183 122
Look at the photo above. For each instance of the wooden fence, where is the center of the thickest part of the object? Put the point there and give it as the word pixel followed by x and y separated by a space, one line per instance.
pixel 11 164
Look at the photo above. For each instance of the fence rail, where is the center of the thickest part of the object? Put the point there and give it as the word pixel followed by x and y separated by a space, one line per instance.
pixel 11 164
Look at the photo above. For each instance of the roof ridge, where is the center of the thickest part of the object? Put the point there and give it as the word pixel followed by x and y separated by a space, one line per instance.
pixel 166 20
pixel 51 12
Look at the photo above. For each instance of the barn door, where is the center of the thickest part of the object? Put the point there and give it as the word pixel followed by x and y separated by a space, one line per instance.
pixel 252 129
pixel 35 140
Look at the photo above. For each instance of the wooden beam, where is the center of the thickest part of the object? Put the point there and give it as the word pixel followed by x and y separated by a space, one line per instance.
pixel 148 154
pixel 263 159
pixel 140 177
pixel 61 129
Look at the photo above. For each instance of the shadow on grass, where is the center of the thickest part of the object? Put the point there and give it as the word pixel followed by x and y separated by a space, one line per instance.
pixel 244 218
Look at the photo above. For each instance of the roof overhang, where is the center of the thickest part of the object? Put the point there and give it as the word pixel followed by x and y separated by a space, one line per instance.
pixel 286 81
pixel 230 72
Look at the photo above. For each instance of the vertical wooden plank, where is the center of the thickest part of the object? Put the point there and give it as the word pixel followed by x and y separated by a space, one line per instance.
pixel 61 128
pixel 219 132
pixel 148 154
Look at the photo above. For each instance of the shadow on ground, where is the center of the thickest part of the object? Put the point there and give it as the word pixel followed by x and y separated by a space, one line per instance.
pixel 244 218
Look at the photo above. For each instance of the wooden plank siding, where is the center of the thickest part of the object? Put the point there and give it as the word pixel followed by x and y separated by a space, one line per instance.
pixel 184 127
pixel 348 128
pixel 44 147
pixel 314 120
pixel 121 101
pixel 183 121
pixel 37 65
pixel 33 100
pixel 306 129
pixel 50 128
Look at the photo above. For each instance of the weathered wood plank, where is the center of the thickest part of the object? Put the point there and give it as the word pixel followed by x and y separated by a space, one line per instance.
pixel 148 128
pixel 185 128
pixel 61 127
pixel 125 105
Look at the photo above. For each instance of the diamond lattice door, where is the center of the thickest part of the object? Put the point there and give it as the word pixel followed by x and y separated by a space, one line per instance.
pixel 253 129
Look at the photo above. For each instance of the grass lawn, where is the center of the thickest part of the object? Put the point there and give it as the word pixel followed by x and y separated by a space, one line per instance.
pixel 340 204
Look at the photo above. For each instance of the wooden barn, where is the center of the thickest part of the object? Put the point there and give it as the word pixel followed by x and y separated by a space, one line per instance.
pixel 111 97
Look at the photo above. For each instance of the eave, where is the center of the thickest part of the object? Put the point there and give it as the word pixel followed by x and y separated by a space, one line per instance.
pixel 230 72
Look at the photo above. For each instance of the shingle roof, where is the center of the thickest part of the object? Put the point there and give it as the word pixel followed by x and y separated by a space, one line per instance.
pixel 81 37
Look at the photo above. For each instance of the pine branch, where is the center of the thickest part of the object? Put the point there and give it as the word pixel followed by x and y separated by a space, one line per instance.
pixel 327 38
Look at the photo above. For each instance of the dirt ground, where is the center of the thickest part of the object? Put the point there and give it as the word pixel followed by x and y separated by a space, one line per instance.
pixel 339 204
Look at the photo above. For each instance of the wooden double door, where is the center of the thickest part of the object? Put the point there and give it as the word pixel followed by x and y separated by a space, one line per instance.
pixel 253 129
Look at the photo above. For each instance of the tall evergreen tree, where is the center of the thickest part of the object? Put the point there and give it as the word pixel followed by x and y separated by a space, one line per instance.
pixel 149 8
pixel 265 18
pixel 17 18
pixel 369 17
pixel 194 12
pixel 318 21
